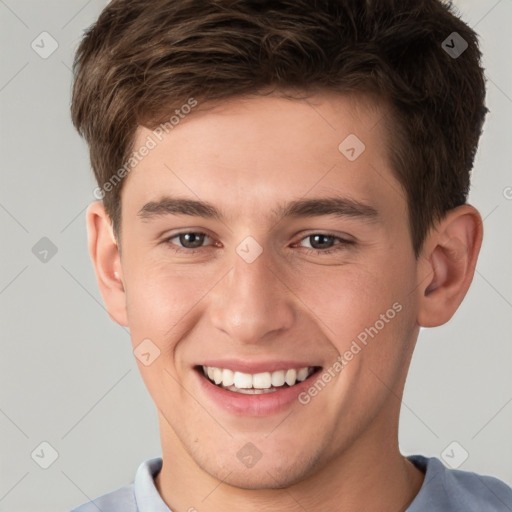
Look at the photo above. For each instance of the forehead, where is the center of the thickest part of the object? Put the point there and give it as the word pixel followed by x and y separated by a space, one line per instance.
pixel 255 151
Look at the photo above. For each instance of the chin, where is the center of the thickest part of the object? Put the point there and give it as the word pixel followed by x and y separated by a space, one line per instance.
pixel 272 473
pixel 264 478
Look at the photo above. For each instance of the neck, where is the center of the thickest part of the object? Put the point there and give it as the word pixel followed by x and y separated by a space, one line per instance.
pixel 366 476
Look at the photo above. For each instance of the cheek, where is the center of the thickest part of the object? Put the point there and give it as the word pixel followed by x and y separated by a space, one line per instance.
pixel 163 299
pixel 370 303
pixel 346 298
pixel 163 305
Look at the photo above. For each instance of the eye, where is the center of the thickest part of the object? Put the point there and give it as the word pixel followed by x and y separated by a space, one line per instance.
pixel 325 243
pixel 190 242
pixel 187 241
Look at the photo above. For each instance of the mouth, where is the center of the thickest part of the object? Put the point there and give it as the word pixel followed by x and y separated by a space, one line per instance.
pixel 256 383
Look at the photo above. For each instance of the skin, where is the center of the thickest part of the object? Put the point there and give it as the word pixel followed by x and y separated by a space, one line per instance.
pixel 340 451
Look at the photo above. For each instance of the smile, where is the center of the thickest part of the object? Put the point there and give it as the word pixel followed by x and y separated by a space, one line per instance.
pixel 256 383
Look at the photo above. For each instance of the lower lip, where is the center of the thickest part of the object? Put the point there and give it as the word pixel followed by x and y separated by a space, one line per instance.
pixel 263 404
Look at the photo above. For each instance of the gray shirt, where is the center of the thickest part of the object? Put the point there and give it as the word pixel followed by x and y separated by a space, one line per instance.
pixel 443 490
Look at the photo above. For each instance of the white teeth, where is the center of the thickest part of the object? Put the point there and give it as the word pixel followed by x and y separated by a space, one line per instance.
pixel 262 380
pixel 228 377
pixel 257 383
pixel 250 391
pixel 291 377
pixel 302 374
pixel 242 380
pixel 278 378
pixel 217 375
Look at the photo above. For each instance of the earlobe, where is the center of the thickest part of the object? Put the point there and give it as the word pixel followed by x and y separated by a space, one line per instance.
pixel 447 265
pixel 104 254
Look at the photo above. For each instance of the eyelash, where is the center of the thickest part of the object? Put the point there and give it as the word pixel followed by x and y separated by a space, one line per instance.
pixel 343 243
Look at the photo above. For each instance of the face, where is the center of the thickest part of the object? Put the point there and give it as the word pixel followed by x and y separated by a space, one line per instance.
pixel 263 248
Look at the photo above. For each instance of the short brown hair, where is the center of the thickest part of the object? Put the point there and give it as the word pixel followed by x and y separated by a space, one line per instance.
pixel 142 59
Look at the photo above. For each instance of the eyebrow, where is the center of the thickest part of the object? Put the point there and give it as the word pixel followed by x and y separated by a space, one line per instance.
pixel 337 206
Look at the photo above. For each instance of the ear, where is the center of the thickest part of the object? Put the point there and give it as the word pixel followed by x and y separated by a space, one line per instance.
pixel 448 261
pixel 106 259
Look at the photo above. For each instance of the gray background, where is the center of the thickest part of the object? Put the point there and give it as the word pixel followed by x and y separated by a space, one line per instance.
pixel 67 372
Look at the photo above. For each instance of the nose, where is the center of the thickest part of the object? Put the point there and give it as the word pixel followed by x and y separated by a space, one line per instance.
pixel 252 303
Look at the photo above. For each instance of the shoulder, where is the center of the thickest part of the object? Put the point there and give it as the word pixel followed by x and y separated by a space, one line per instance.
pixel 120 500
pixel 125 499
pixel 454 490
pixel 477 492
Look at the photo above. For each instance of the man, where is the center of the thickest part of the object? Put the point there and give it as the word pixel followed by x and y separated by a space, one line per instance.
pixel 283 205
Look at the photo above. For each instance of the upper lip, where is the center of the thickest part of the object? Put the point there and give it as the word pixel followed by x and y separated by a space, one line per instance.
pixel 252 367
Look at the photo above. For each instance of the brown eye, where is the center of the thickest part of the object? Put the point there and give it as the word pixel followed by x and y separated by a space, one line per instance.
pixel 187 242
pixel 324 243
pixel 191 240
pixel 320 241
